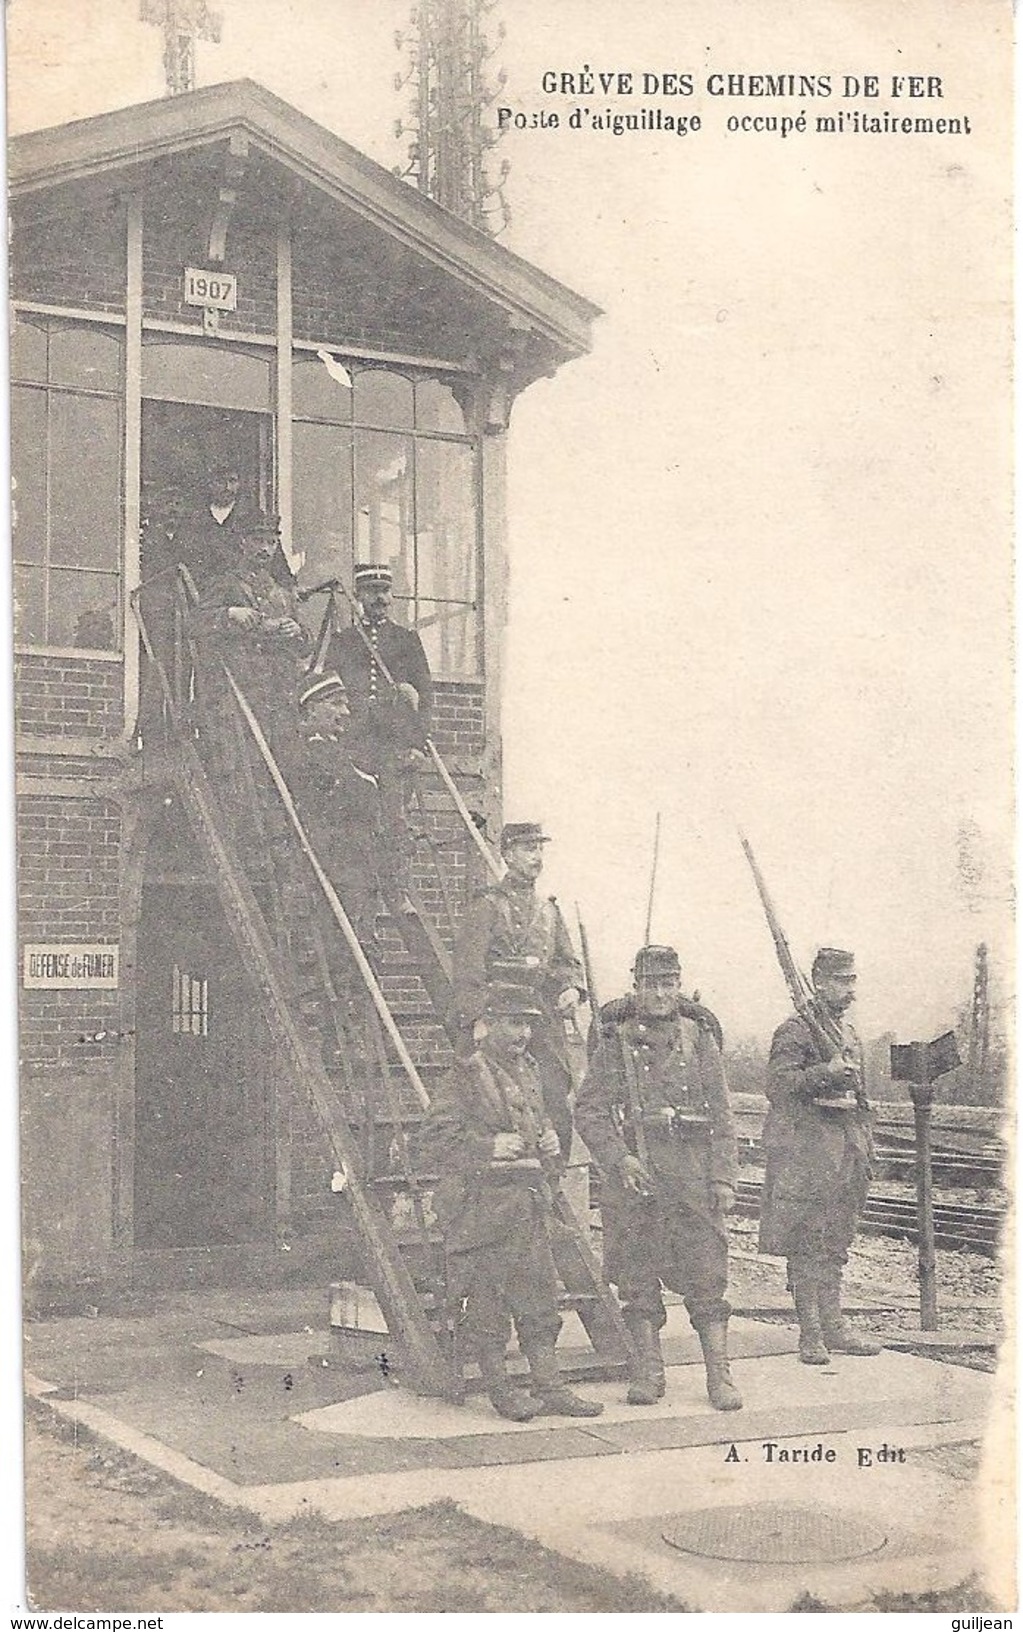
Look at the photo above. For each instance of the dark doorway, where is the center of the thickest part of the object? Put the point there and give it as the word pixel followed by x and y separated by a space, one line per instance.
pixel 181 444
pixel 204 1138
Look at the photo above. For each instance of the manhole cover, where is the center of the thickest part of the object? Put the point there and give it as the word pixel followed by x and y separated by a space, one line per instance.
pixel 774 1533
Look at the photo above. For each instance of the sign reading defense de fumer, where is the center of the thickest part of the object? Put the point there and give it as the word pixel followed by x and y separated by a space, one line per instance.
pixel 60 965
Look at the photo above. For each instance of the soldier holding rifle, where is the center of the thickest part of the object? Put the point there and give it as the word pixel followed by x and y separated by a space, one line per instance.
pixel 654 1112
pixel 511 933
pixel 817 1141
pixel 490 1137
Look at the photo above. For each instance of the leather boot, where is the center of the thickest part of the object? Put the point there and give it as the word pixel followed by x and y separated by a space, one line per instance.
pixel 721 1391
pixel 553 1398
pixel 505 1396
pixel 803 1282
pixel 840 1338
pixel 646 1376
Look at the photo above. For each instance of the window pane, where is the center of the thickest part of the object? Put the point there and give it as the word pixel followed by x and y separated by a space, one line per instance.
pixel 446 538
pixel 213 375
pixel 383 504
pixel 83 610
pixel 322 508
pixel 315 391
pixel 85 486
pixel 85 356
pixel 382 398
pixel 436 408
pixel 28 473
pixel 29 606
pixel 28 350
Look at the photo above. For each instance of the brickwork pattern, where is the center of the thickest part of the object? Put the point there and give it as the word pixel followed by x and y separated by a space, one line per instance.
pixel 168 247
pixel 74 259
pixel 67 696
pixel 68 875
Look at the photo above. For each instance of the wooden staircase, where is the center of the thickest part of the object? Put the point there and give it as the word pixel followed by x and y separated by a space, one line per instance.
pixel 341 1040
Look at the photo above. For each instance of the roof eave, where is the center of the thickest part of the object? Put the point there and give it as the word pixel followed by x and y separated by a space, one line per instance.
pixel 129 137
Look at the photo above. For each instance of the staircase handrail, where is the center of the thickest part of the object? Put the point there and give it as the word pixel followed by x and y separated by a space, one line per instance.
pixel 341 918
pixel 493 863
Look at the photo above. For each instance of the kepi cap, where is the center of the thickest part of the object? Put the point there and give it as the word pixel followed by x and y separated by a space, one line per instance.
pixel 831 960
pixel 373 572
pixel 656 960
pixel 320 688
pixel 522 833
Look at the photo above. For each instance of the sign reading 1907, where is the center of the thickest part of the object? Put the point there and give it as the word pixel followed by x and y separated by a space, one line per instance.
pixel 217 289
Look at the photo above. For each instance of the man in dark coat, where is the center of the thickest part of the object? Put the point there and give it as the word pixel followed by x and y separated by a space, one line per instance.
pixel 208 540
pixel 654 1112
pixel 489 1138
pixel 246 619
pixel 510 932
pixel 818 1148
pixel 391 719
pixel 339 804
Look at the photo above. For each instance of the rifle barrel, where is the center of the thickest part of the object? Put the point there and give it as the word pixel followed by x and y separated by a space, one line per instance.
pixel 653 880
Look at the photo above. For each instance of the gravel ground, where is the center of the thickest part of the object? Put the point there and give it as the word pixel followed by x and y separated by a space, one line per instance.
pixel 883 1270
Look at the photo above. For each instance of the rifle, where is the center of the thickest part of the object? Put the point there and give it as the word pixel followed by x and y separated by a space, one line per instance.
pixel 826 1034
pixel 634 1104
pixel 588 967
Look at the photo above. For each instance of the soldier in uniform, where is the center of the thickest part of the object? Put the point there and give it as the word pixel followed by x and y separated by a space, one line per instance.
pixel 247 619
pixel 654 1112
pixel 510 932
pixel 818 1146
pixel 489 1137
pixel 338 803
pixel 209 539
pixel 390 722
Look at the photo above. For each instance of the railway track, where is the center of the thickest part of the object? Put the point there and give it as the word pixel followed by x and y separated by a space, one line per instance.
pixel 977 1228
pixel 895 1158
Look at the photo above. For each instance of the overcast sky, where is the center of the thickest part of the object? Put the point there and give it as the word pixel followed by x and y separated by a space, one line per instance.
pixel 760 538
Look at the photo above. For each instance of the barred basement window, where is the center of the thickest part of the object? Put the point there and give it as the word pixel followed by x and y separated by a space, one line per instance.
pixel 66 484
pixel 190 1004
pixel 384 470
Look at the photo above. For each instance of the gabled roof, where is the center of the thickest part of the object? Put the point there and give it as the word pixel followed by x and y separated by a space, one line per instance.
pixel 116 144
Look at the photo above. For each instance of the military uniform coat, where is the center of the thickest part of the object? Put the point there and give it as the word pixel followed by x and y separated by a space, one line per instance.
pixel 210 548
pixel 506 925
pixel 640 1070
pixel 265 662
pixel 340 808
pixel 389 724
pixel 495 1217
pixel 818 1161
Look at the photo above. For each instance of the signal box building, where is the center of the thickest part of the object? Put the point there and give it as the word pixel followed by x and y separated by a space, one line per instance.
pixel 214 277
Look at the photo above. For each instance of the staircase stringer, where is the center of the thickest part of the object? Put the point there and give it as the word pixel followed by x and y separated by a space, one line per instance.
pixel 399 1301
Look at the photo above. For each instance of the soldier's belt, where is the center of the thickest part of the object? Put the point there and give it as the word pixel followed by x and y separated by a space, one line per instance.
pixel 674 1122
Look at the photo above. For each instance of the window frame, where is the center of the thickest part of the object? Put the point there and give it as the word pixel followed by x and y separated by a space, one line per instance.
pixel 414 374
pixel 56 319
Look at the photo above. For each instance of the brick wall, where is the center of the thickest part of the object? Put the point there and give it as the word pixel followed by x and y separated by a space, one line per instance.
pixel 67 696
pixel 168 247
pixel 74 259
pixel 458 717
pixel 348 283
pixel 68 856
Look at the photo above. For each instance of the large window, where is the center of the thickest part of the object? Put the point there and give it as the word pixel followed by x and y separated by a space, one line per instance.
pixel 384 471
pixel 66 449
